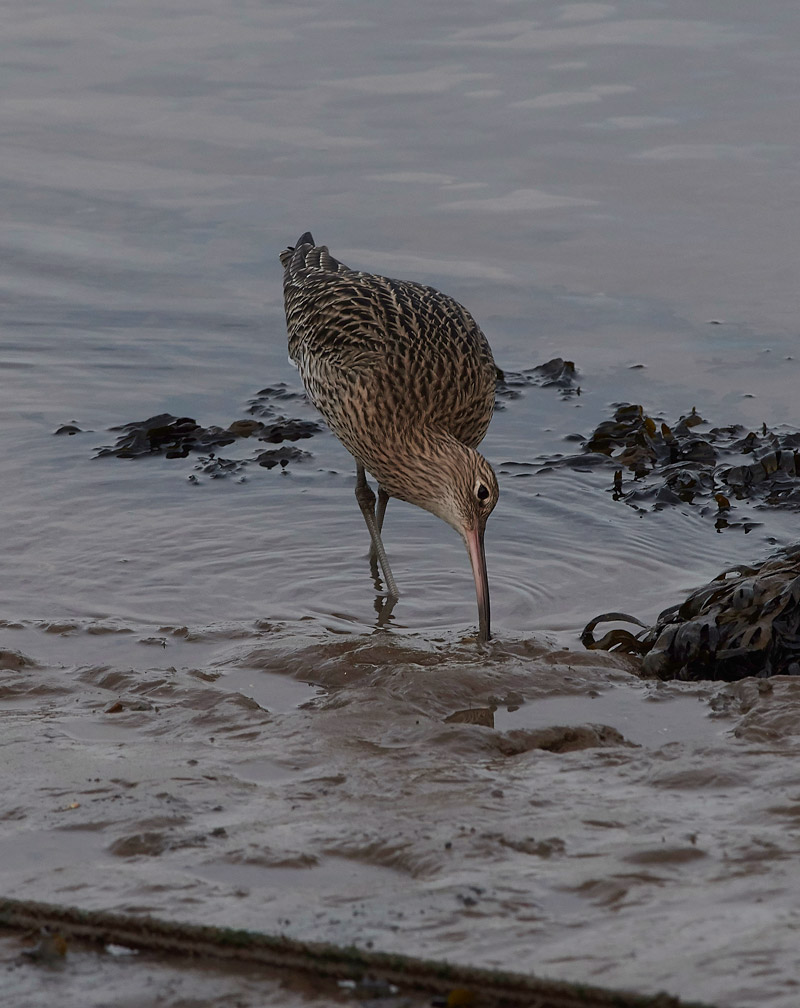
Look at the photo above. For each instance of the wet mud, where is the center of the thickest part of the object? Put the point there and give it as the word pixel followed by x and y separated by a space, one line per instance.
pixel 365 808
pixel 54 970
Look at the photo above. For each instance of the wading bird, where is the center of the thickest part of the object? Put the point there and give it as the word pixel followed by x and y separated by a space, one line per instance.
pixel 405 379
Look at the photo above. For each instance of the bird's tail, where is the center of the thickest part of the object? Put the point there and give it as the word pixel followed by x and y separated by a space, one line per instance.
pixel 307 255
pixel 288 253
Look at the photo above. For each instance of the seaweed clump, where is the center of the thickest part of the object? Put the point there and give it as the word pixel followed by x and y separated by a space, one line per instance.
pixel 177 437
pixel 556 373
pixel 746 622
pixel 657 465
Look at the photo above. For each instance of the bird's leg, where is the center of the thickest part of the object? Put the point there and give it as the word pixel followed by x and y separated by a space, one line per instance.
pixel 366 501
pixel 383 500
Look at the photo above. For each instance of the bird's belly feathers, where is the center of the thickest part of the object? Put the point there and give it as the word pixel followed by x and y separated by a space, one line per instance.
pixel 369 405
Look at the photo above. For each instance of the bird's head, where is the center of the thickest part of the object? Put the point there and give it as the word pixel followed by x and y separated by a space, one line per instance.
pixel 466 493
pixel 462 490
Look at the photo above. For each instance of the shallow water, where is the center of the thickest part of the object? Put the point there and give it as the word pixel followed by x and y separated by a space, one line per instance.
pixel 601 184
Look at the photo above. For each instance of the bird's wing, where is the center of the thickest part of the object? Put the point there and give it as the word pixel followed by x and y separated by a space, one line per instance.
pixel 416 348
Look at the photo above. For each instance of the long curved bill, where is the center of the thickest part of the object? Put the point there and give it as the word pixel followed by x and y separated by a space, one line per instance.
pixel 477 557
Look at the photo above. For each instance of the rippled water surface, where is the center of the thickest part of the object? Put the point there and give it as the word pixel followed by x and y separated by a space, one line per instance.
pixel 204 716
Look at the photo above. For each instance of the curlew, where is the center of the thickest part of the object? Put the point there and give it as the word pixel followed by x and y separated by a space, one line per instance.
pixel 405 379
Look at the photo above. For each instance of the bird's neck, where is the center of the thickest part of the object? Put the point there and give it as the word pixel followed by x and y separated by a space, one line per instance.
pixel 417 465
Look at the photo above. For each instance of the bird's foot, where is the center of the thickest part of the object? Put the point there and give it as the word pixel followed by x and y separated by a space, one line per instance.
pixel 384 604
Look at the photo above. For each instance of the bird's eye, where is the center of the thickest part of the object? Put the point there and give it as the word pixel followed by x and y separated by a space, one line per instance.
pixel 481 492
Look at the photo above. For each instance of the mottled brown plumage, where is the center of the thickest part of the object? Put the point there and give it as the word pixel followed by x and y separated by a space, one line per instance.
pixel 405 378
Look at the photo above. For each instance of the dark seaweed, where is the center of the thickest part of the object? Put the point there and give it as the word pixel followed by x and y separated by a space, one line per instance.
pixel 176 437
pixel 746 622
pixel 261 403
pixel 556 373
pixel 656 465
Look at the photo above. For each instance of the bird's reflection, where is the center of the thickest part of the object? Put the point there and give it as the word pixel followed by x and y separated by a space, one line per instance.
pixel 384 601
